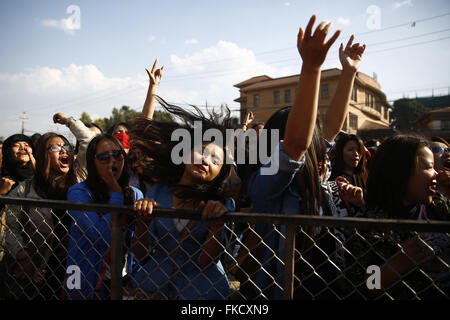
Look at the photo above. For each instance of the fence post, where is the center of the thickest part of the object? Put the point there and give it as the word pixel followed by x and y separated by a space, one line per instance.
pixel 289 256
pixel 116 256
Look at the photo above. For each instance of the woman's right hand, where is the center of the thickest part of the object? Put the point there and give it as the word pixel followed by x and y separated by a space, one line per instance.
pixel 154 74
pixel 111 182
pixel 5 185
pixel 312 46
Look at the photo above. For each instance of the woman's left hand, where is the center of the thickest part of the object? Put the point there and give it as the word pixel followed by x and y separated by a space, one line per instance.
pixel 351 56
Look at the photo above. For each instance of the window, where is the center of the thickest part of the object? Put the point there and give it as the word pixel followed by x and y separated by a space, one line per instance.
pixel 445 124
pixel 324 91
pixel 355 94
pixel 378 105
pixel 386 110
pixel 287 96
pixel 353 121
pixel 276 97
pixel 256 100
pixel 367 99
pixel 371 101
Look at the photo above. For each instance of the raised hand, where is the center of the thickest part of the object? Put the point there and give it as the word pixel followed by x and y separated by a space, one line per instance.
pixel 59 118
pixel 312 46
pixel 154 74
pixel 351 56
pixel 149 105
pixel 5 185
pixel 249 118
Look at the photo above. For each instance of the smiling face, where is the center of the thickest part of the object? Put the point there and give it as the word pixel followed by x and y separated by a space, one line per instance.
pixel 203 168
pixel 106 165
pixel 19 152
pixel 351 155
pixel 422 183
pixel 60 161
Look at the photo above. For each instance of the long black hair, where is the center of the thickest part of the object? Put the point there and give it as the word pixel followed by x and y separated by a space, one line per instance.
pixel 338 164
pixel 95 182
pixel 153 138
pixel 390 171
pixel 43 181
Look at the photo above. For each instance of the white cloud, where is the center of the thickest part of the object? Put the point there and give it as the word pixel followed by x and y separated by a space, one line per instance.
pixel 63 24
pixel 151 38
pixel 191 41
pixel 399 4
pixel 343 21
pixel 214 71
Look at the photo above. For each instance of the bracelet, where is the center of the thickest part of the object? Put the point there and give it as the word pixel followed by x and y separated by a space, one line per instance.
pixel 69 119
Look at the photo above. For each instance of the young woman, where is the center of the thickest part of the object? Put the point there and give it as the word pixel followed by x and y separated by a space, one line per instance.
pixel 179 258
pixel 349 160
pixel 441 153
pixel 90 232
pixel 18 162
pixel 402 185
pixel 300 156
pixel 37 237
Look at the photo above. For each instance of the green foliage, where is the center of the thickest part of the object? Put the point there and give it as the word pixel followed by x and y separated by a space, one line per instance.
pixel 404 113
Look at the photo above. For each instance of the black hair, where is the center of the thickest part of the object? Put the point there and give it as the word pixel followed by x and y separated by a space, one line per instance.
pixel 390 170
pixel 95 183
pixel 338 164
pixel 153 138
pixel 43 182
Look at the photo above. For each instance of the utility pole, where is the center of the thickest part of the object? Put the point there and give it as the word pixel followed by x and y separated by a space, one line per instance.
pixel 23 118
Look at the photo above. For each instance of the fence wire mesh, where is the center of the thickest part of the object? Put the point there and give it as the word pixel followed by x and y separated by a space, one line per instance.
pixel 61 250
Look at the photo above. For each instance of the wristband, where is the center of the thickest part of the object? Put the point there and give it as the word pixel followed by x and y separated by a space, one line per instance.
pixel 69 119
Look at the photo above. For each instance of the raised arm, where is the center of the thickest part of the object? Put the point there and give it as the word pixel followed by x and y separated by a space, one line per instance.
pixel 300 125
pixel 350 59
pixel 149 104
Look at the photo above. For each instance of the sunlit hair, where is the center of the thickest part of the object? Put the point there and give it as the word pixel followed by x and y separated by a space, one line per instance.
pixel 95 182
pixel 44 182
pixel 338 164
pixel 390 171
pixel 153 138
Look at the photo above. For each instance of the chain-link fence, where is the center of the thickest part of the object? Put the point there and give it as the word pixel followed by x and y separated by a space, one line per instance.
pixel 64 250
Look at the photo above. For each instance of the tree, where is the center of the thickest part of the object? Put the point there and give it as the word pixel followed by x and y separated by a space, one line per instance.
pixel 86 118
pixel 405 112
pixel 124 114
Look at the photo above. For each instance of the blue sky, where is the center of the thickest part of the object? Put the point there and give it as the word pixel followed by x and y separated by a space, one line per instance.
pixel 206 48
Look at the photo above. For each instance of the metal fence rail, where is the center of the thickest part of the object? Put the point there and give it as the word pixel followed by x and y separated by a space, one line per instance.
pixel 52 248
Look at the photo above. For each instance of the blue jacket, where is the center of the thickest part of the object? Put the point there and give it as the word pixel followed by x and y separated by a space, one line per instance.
pixel 190 280
pixel 90 237
pixel 274 194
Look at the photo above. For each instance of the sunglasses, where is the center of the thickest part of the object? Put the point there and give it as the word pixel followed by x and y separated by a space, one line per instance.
pixel 440 150
pixel 57 148
pixel 105 157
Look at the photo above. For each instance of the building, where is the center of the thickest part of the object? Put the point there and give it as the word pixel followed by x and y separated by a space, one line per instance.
pixel 434 123
pixel 368 113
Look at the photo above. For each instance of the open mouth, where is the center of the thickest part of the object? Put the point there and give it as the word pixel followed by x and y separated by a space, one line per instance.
pixel 201 168
pixel 64 162
pixel 115 170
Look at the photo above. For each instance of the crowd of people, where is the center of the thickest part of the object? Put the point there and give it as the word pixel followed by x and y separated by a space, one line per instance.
pixel 322 171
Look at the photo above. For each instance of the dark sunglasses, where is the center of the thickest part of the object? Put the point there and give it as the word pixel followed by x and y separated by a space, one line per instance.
pixel 440 150
pixel 57 148
pixel 106 156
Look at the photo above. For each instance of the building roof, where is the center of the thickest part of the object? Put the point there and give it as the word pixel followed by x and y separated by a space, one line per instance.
pixel 427 115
